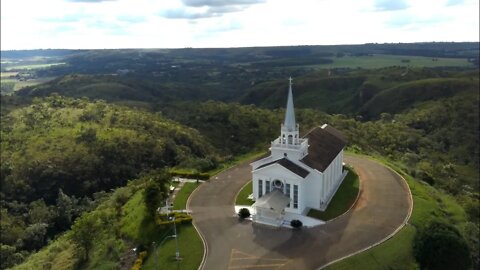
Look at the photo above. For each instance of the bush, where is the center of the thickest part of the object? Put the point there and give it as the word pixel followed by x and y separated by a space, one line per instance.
pixel 139 261
pixel 243 213
pixel 441 246
pixel 191 175
pixel 296 223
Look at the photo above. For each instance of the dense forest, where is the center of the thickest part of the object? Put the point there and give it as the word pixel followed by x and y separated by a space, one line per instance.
pixel 66 145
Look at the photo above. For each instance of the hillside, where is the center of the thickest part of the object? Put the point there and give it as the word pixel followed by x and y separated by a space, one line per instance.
pixel 71 145
pixel 436 142
pixel 365 92
pixel 59 156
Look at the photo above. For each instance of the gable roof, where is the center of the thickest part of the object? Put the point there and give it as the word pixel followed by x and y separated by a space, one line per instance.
pixel 324 145
pixel 289 165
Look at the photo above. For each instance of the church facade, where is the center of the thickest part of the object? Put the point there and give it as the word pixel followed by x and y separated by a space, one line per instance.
pixel 301 173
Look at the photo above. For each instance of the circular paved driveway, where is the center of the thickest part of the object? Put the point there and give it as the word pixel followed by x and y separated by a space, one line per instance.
pixel 383 206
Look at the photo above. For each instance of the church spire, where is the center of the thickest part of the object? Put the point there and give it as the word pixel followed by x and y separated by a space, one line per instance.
pixel 289 122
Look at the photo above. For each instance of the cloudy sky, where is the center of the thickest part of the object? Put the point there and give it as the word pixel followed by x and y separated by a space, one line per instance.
pixel 32 24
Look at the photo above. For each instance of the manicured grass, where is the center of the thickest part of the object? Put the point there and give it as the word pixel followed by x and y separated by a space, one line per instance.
pixel 395 253
pixel 190 247
pixel 182 196
pixel 242 196
pixel 342 200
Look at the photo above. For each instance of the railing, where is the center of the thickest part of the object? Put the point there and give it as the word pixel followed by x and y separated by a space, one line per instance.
pixel 277 143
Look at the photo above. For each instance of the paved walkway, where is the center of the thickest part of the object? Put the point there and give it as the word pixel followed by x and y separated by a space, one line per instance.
pixel 383 206
pixel 306 221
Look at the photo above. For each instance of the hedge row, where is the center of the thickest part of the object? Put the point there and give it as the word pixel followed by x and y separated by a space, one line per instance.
pixel 189 175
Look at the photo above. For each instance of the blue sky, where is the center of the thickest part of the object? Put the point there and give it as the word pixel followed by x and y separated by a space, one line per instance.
pixel 98 24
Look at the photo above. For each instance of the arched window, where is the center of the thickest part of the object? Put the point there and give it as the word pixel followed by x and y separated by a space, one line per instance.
pixel 290 139
pixel 277 184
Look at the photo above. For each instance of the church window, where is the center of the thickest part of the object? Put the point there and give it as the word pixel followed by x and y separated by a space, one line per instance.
pixel 278 184
pixel 260 188
pixel 295 196
pixel 290 139
pixel 267 186
pixel 287 192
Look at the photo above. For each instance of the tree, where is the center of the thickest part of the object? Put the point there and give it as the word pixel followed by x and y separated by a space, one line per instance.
pixel 441 246
pixel 153 197
pixel 34 236
pixel 84 232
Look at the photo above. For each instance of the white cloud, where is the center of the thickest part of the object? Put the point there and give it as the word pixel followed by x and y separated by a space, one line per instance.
pixel 232 23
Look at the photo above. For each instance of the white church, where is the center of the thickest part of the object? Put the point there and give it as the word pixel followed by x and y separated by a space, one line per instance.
pixel 300 174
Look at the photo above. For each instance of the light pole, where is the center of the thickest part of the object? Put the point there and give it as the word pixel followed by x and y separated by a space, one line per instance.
pixel 155 247
pixel 177 252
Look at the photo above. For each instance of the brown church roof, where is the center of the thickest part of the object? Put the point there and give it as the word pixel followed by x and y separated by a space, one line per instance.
pixel 289 166
pixel 324 145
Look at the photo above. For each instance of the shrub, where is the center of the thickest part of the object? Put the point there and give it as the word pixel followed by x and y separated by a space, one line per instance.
pixel 191 175
pixel 441 246
pixel 139 261
pixel 243 213
pixel 296 223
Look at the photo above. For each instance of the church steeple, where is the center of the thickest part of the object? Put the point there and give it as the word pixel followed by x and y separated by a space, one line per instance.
pixel 289 145
pixel 289 122
pixel 289 130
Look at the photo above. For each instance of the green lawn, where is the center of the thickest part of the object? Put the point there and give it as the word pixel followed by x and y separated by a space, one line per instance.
pixel 395 253
pixel 342 200
pixel 241 198
pixel 182 196
pixel 190 247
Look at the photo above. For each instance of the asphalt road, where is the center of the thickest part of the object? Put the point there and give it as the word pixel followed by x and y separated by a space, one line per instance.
pixel 382 207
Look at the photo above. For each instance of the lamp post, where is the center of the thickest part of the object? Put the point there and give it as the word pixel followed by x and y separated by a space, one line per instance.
pixel 155 247
pixel 177 252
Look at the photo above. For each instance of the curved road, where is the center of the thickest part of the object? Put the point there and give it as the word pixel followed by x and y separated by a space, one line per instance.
pixel 383 206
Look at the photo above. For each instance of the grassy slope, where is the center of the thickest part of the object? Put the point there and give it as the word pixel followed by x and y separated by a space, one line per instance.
pixel 190 247
pixel 397 253
pixel 343 199
pixel 180 202
pixel 135 227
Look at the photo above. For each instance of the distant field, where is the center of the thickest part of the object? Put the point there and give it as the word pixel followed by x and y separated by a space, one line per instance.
pixel 20 66
pixel 7 74
pixel 10 85
pixel 379 61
